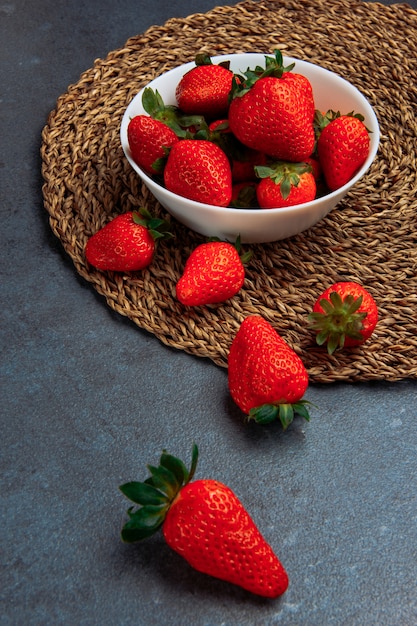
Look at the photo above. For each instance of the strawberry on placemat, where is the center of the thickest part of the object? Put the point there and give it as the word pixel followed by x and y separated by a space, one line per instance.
pixel 266 378
pixel 344 315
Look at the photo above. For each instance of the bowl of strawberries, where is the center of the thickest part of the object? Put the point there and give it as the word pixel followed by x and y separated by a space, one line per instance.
pixel 251 145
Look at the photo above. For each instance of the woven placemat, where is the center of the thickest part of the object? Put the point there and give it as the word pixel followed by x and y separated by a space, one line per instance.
pixel 371 237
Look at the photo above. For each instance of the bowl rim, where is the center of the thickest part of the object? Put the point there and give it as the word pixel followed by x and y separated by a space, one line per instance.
pixel 333 195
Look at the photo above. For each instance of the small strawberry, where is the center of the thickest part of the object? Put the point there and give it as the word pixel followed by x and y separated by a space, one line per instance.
pixel 199 170
pixel 266 378
pixel 214 272
pixel 272 111
pixel 285 184
pixel 127 242
pixel 242 159
pixel 342 147
pixel 205 523
pixel 149 141
pixel 244 165
pixel 344 315
pixel 205 89
pixel 244 195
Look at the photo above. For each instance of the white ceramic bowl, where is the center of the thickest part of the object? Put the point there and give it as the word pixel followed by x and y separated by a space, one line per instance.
pixel 257 225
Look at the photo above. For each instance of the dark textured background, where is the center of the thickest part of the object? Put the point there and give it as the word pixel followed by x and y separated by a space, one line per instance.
pixel 87 400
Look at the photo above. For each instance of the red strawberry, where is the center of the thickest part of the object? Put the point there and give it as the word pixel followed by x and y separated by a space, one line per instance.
pixel 266 378
pixel 205 89
pixel 242 159
pixel 127 243
pixel 206 524
pixel 342 147
pixel 285 184
pixel 199 170
pixel 243 165
pixel 345 314
pixel 244 195
pixel 213 272
pixel 272 111
pixel 315 168
pixel 149 140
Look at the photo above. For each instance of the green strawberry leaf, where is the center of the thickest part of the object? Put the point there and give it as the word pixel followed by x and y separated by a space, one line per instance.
pixel 285 412
pixel 264 414
pixel 155 495
pixel 143 523
pixel 164 480
pixel 339 319
pixel 158 228
pixel 194 460
pixel 176 466
pixel 203 59
pixel 143 493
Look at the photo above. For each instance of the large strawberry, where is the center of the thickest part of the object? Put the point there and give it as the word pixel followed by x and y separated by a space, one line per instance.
pixel 206 524
pixel 127 242
pixel 214 272
pixel 342 147
pixel 272 111
pixel 266 378
pixel 344 315
pixel 199 170
pixel 285 184
pixel 205 88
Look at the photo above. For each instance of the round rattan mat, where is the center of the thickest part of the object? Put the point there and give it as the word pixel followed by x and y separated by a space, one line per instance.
pixel 371 237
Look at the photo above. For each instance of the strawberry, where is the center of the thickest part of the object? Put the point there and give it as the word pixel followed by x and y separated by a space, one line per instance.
pixel 242 159
pixel 244 164
pixel 272 111
pixel 205 89
pixel 285 184
pixel 244 195
pixel 199 170
pixel 342 147
pixel 149 140
pixel 344 315
pixel 214 272
pixel 205 523
pixel 266 378
pixel 126 243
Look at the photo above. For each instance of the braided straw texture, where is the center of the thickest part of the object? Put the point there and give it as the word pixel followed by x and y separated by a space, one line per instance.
pixel 371 237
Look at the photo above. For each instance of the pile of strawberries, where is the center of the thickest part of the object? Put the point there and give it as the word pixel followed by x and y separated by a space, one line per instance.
pixel 266 146
pixel 253 140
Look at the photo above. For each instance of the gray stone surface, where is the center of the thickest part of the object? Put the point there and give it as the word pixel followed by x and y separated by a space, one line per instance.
pixel 87 400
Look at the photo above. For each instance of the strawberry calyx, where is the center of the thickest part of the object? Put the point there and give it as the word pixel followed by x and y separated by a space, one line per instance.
pixel 340 319
pixel 155 495
pixel 321 120
pixel 284 173
pixel 205 59
pixel 274 66
pixel 285 413
pixel 157 227
pixel 184 126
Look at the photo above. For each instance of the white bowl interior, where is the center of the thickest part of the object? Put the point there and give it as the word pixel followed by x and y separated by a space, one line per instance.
pixel 257 225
